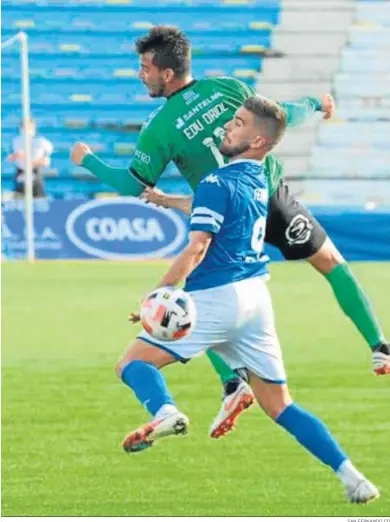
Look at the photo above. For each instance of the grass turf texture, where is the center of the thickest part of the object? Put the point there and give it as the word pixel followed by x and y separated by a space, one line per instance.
pixel 64 412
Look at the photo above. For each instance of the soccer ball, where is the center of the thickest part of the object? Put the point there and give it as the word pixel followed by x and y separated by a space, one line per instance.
pixel 168 314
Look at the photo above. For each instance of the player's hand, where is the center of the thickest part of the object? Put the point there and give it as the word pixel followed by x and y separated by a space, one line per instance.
pixel 79 151
pixel 15 156
pixel 328 106
pixel 156 196
pixel 134 318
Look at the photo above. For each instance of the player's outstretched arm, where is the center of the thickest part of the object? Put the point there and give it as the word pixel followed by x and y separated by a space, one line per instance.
pixel 159 198
pixel 120 179
pixel 300 111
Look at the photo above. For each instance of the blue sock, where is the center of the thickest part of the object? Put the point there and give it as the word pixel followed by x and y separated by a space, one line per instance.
pixel 148 384
pixel 312 433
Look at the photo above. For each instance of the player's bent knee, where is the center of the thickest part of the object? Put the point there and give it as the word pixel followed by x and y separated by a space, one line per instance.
pixel 327 258
pixel 273 398
pixel 274 409
pixel 141 350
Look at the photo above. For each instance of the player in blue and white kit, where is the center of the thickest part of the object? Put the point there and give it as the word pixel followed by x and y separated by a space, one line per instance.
pixel 226 273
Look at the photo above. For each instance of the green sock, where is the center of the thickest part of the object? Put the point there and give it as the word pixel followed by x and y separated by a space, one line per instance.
pixel 355 304
pixel 224 371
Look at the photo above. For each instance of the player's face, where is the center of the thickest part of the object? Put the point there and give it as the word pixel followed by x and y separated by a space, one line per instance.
pixel 240 132
pixel 152 76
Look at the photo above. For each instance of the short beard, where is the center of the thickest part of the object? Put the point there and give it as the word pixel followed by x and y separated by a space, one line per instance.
pixel 231 152
pixel 160 93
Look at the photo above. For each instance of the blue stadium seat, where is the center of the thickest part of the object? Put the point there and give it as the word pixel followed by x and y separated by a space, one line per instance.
pixel 377 135
pixel 124 69
pixel 370 62
pixel 140 17
pixel 368 37
pixel 203 43
pixel 361 85
pixel 350 162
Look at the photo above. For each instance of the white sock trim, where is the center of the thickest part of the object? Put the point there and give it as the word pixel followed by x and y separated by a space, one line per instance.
pixel 348 474
pixel 165 410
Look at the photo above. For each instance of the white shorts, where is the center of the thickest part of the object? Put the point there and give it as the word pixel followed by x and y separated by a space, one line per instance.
pixel 237 322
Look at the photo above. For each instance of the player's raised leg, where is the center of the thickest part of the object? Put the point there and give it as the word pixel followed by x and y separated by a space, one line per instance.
pixel 139 369
pixel 299 236
pixel 257 349
pixel 313 435
pixel 354 302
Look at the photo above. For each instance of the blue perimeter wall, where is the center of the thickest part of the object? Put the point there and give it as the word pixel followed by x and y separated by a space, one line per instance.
pixel 125 228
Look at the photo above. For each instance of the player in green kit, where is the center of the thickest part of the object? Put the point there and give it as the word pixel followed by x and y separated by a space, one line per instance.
pixel 188 130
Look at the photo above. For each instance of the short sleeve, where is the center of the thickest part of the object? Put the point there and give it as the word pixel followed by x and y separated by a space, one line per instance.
pixel 210 205
pixel 152 153
pixel 300 111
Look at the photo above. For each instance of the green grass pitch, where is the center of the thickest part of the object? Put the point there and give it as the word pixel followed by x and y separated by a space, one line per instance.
pixel 64 412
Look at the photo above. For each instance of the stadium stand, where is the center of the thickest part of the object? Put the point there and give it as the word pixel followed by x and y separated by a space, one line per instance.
pixel 342 46
pixel 84 82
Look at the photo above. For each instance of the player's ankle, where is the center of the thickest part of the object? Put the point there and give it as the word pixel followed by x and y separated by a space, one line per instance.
pixel 348 474
pixel 165 410
pixel 382 346
pixel 231 385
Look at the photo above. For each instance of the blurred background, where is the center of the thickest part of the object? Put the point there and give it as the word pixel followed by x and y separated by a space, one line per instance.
pixel 84 87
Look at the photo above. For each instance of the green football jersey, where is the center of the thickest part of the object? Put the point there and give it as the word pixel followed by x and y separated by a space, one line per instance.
pixel 189 128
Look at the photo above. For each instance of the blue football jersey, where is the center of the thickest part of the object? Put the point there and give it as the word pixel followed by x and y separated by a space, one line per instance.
pixel 232 204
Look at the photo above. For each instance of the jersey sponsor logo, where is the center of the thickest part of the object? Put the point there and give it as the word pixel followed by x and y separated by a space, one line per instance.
pixel 299 230
pixel 142 157
pixel 190 96
pixel 207 118
pixel 211 178
pixel 179 123
pixel 125 228
pixel 215 112
pixel 193 129
pixel 201 105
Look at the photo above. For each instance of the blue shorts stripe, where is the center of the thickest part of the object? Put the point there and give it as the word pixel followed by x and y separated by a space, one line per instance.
pixel 162 347
pixel 283 381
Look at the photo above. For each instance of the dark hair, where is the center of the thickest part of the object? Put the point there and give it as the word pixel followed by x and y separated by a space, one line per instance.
pixel 170 47
pixel 270 116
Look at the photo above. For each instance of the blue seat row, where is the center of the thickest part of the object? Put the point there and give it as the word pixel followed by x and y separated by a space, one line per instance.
pixel 365 64
pixel 117 69
pixel 120 19
pixel 362 85
pixel 357 135
pixel 83 70
pixel 83 116
pixel 62 166
pixel 75 43
pixel 80 116
pixel 69 187
pixel 369 37
pixel 78 93
pixel 119 4
pixel 365 14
